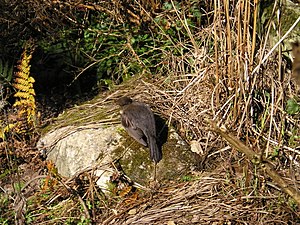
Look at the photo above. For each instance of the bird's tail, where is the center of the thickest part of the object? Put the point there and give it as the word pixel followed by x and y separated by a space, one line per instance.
pixel 155 152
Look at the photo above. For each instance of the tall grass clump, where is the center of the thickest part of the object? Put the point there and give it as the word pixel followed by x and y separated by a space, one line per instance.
pixel 233 69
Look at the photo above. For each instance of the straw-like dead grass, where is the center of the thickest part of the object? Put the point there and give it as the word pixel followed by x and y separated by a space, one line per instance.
pixel 243 84
pixel 210 199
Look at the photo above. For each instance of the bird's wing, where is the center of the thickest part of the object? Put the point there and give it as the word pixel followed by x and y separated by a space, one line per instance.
pixel 132 129
pixel 138 120
pixel 144 118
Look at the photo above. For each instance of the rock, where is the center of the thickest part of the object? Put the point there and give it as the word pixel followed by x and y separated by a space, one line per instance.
pixel 177 160
pixel 75 148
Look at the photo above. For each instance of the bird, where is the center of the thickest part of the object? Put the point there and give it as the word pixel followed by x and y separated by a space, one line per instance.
pixel 138 120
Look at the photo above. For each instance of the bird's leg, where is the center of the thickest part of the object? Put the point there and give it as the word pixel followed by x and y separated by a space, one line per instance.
pixel 153 183
pixel 155 172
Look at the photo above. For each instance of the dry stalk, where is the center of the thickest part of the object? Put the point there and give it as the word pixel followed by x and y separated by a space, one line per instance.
pixel 257 159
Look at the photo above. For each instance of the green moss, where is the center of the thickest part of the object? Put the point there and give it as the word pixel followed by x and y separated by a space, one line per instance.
pixel 93 111
pixel 88 112
pixel 135 160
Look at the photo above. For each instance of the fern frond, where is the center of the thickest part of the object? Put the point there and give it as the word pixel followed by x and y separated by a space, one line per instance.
pixel 22 81
pixel 31 92
pixel 20 87
pixel 25 94
pixel 21 94
pixel 22 103
pixel 31 80
pixel 24 70
pixel 8 127
pixel 31 98
pixel 6 130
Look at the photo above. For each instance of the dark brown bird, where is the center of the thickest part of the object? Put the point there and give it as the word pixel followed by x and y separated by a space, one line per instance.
pixel 138 120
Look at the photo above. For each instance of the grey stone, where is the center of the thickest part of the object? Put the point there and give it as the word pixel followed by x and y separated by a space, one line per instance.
pixel 75 148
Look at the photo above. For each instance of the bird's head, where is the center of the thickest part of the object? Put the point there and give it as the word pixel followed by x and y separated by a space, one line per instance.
pixel 124 101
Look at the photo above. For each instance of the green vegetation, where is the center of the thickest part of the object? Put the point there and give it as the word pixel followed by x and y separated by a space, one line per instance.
pixel 6 71
pixel 292 107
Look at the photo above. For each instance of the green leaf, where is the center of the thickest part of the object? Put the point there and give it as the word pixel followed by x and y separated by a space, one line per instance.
pixel 167 6
pixel 292 107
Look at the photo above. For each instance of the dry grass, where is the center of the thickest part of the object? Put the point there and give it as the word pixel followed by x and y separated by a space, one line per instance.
pixel 211 199
pixel 242 84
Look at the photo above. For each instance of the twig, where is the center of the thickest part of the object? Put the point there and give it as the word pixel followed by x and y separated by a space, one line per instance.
pixel 254 157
